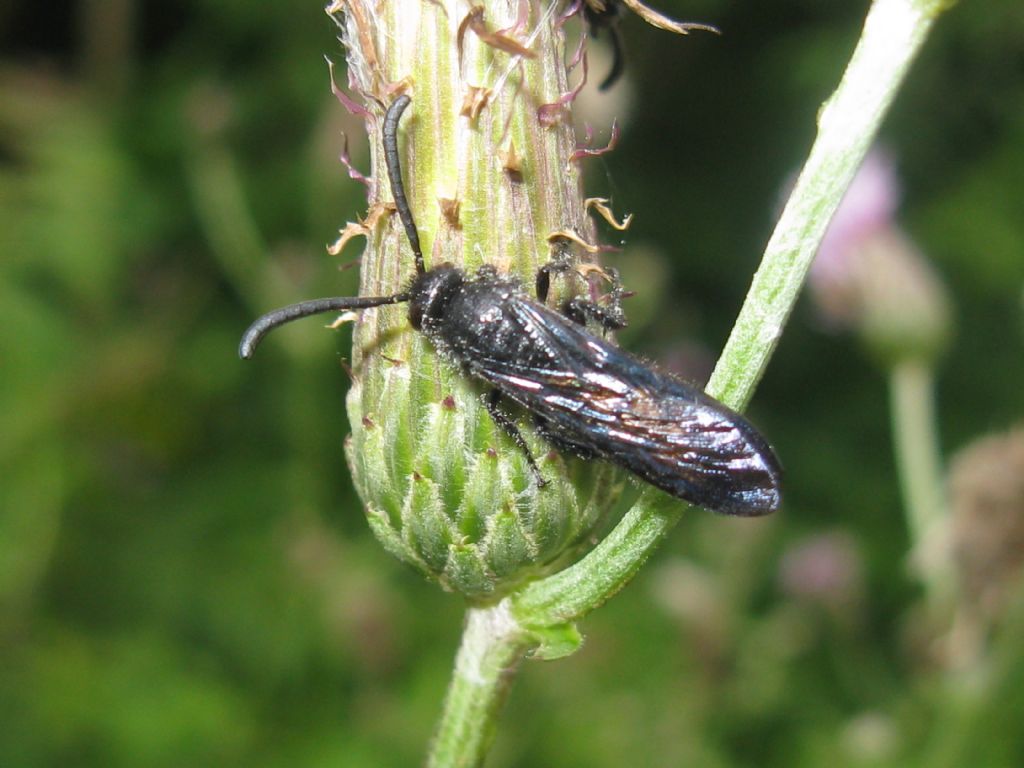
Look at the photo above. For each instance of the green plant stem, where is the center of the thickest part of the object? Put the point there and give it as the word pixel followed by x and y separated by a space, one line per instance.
pixel 848 123
pixel 492 645
pixel 912 388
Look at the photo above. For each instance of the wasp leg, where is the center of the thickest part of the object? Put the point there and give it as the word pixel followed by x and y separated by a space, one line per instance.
pixel 506 422
pixel 559 264
pixel 611 317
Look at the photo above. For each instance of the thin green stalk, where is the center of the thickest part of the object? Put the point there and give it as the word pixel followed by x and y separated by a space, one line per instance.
pixel 893 34
pixel 492 645
pixel 920 468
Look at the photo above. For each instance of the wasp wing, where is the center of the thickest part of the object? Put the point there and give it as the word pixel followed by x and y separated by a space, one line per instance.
pixel 593 396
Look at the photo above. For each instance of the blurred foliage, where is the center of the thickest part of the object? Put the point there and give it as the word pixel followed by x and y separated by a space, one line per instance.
pixel 185 574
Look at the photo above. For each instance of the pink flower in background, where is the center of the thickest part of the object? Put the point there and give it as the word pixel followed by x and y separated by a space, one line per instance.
pixel 870 277
pixel 868 207
pixel 824 569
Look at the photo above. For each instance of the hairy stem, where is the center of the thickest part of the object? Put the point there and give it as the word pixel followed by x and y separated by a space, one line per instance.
pixel 492 644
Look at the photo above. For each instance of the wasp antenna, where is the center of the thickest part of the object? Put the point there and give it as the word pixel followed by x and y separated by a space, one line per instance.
pixel 265 324
pixel 391 159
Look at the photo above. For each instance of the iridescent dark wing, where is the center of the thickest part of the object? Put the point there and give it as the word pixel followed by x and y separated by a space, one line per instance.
pixel 590 395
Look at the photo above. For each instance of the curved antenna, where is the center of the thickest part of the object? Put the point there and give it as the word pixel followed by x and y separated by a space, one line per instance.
pixel 391 159
pixel 268 322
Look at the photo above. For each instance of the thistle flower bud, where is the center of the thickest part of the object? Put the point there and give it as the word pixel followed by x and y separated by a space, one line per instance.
pixel 904 309
pixel 488 182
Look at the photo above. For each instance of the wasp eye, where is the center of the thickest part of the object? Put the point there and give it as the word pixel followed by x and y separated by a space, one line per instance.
pixel 416 315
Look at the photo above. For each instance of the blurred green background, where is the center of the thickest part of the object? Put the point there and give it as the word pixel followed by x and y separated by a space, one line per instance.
pixel 185 574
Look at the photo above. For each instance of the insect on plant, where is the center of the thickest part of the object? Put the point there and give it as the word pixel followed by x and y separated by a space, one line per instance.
pixel 586 396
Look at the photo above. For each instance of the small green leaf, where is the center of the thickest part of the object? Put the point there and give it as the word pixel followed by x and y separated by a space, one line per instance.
pixel 556 642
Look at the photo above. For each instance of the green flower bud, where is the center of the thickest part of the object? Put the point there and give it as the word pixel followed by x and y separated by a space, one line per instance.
pixel 488 181
pixel 905 312
pixel 446 490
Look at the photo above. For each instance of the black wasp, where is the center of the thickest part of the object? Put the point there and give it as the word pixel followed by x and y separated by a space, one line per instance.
pixel 586 395
pixel 605 14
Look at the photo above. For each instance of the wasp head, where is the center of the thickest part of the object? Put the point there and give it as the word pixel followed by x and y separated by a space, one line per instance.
pixel 430 295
